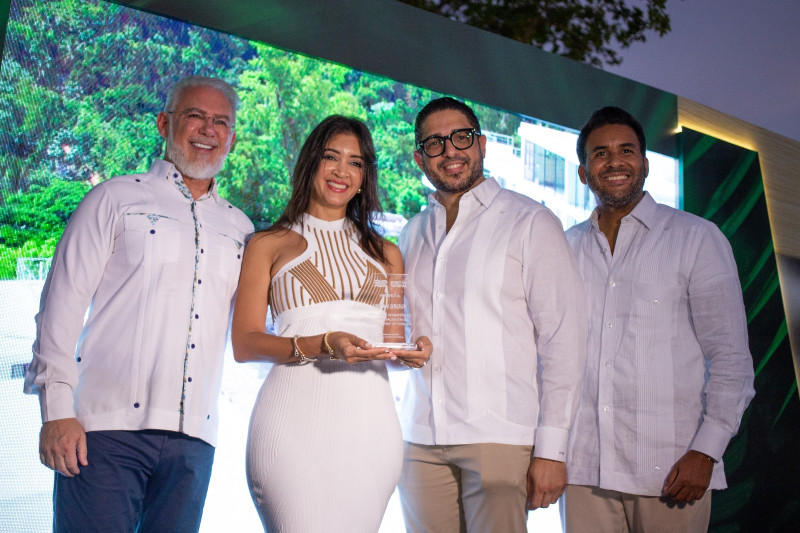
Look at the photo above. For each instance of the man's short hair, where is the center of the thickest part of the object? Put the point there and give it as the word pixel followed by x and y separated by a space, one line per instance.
pixel 441 104
pixel 202 81
pixel 603 117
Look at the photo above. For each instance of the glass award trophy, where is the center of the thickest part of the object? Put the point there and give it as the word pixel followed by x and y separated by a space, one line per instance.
pixel 398 330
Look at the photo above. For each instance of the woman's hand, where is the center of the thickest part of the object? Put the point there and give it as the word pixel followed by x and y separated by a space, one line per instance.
pixel 352 349
pixel 415 358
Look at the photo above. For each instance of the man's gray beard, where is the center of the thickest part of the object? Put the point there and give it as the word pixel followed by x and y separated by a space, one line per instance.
pixel 464 186
pixel 189 169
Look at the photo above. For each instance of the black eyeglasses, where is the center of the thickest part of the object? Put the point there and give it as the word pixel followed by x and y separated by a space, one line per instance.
pixel 462 139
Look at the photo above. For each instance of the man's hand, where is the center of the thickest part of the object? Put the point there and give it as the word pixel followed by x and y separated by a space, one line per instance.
pixel 62 445
pixel 547 480
pixel 689 478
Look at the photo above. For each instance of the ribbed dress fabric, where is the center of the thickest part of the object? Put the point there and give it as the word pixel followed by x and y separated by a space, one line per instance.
pixel 324 449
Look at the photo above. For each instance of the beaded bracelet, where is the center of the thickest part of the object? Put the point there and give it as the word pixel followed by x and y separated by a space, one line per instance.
pixel 299 354
pixel 328 346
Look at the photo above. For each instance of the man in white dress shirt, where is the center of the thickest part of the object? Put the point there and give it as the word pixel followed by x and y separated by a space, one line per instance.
pixel 668 372
pixel 129 398
pixel 496 288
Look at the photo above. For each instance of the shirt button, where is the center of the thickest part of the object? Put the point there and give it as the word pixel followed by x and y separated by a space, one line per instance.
pixel 657 469
pixel 438 295
pixel 197 316
pixel 439 400
pixel 136 405
pixel 199 281
pixel 436 368
pixel 189 380
pixel 610 325
pixel 655 302
pixel 612 283
pixel 605 408
pixel 606 364
pixel 152 231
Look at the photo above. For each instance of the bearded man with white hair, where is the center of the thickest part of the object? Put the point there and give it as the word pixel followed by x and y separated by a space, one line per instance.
pixel 128 396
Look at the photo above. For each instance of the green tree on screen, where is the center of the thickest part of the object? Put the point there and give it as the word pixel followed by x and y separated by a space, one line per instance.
pixel 82 82
pixel 391 109
pixel 284 96
pixel 80 86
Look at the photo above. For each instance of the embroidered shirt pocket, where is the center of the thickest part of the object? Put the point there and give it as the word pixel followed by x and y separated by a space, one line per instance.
pixel 226 254
pixel 151 235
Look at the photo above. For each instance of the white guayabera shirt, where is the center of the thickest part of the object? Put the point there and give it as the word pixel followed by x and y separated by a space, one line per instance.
pixel 668 367
pixel 158 272
pixel 501 298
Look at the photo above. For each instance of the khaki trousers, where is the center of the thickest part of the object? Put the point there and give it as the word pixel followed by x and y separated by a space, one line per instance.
pixel 478 488
pixel 586 509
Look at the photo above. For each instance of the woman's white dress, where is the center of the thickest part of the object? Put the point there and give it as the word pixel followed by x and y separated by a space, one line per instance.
pixel 324 450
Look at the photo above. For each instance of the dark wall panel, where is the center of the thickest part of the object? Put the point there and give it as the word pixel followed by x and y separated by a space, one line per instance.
pixel 722 183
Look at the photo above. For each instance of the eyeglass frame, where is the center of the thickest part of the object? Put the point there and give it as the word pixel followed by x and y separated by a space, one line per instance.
pixel 186 113
pixel 473 133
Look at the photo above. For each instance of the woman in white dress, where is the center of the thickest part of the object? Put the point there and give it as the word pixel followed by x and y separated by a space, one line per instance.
pixel 324 451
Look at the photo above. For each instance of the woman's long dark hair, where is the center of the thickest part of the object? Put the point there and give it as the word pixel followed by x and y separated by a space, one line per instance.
pixel 361 208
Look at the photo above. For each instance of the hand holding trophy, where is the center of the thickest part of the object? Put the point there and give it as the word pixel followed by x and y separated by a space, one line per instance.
pixel 397 333
pixel 392 291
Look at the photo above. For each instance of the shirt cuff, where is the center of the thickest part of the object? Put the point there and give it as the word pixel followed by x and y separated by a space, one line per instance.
pixel 711 439
pixel 551 443
pixel 56 402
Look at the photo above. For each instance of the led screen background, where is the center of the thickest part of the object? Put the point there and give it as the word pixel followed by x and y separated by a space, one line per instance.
pixel 80 85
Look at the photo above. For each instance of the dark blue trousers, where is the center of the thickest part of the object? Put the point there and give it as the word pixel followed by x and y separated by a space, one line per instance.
pixel 144 481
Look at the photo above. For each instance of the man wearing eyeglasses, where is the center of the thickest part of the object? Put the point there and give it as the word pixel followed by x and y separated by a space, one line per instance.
pixel 130 416
pixel 495 286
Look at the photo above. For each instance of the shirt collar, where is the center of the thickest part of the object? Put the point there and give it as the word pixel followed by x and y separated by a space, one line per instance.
pixel 484 193
pixel 644 212
pixel 173 175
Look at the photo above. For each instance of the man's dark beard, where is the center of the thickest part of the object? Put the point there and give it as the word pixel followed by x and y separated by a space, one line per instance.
pixel 615 202
pixel 472 178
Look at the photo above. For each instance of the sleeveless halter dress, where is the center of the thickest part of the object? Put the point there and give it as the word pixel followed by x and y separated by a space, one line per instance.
pixel 324 450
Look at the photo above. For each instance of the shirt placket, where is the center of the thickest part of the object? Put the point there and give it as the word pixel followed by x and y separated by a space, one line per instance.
pixel 605 384
pixel 438 399
pixel 194 316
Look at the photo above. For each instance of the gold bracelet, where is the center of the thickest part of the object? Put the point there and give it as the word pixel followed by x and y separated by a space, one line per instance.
pixel 299 354
pixel 328 346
